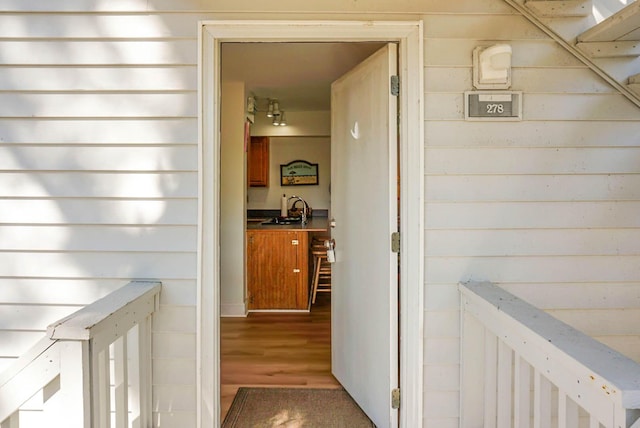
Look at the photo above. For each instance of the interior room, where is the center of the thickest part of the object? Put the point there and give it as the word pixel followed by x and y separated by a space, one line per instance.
pixel 275 339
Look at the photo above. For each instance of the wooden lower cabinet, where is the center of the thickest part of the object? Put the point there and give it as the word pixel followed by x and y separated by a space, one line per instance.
pixel 277 269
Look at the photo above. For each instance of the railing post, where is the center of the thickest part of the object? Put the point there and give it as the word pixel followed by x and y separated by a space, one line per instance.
pixel 101 387
pixel 144 374
pixel 505 385
pixel 472 372
pixel 75 384
pixel 522 393
pixel 121 381
pixel 140 375
pixel 490 379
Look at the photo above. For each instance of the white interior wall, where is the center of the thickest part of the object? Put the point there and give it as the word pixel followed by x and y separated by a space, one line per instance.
pixel 233 182
pixel 305 137
pixel 299 124
pixel 284 150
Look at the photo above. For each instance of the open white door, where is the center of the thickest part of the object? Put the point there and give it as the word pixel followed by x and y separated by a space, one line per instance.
pixel 364 206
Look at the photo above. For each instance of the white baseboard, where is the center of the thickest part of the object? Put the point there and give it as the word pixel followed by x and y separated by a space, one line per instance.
pixel 232 310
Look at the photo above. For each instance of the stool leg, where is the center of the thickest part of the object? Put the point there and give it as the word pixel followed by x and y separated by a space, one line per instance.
pixel 313 279
pixel 316 277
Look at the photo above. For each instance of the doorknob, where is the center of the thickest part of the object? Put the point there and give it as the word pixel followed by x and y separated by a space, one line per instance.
pixel 332 222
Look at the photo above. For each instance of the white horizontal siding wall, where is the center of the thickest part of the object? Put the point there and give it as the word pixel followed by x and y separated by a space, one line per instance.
pixel 98 178
pixel 546 207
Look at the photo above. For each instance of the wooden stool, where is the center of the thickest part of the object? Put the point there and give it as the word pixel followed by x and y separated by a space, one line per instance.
pixel 321 270
pixel 318 240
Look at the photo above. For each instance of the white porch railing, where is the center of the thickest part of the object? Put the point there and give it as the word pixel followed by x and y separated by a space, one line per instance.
pixel 93 369
pixel 523 368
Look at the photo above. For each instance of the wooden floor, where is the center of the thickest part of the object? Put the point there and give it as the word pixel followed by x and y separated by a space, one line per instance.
pixel 276 349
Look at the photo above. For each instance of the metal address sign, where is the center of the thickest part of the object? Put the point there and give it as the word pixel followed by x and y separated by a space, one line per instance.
pixel 493 105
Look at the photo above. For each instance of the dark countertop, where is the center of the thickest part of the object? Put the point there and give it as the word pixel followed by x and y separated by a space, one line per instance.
pixel 314 224
pixel 255 214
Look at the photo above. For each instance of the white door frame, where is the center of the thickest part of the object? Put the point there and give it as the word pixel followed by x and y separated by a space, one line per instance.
pixel 411 129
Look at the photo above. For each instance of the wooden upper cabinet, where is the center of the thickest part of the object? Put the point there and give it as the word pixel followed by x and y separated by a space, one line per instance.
pixel 258 162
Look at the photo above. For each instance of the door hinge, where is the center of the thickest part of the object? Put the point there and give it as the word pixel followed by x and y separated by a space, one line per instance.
pixel 395 242
pixel 395 398
pixel 395 85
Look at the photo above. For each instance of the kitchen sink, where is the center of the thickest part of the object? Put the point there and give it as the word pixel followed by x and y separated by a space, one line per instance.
pixel 282 220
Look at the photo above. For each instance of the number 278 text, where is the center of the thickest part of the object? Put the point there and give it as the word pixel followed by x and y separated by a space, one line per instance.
pixel 495 108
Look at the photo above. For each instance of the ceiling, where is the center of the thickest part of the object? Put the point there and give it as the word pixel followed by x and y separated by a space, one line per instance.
pixel 298 75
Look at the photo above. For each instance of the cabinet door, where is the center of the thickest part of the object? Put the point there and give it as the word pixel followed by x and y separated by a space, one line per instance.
pixel 273 272
pixel 258 162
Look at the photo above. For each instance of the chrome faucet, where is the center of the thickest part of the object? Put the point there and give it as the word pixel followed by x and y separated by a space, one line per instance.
pixel 305 207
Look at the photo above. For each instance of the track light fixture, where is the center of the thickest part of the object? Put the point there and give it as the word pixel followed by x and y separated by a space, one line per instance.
pixel 274 112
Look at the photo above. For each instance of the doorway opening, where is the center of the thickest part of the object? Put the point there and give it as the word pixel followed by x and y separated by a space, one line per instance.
pixel 271 348
pixel 409 37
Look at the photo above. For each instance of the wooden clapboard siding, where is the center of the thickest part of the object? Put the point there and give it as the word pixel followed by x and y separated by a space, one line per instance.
pixel 15 343
pixel 95 26
pixel 480 27
pixel 80 264
pixel 174 366
pixel 545 133
pixel 150 184
pixel 607 107
pixel 97 105
pixel 140 79
pixel 532 161
pixel 31 317
pixel 539 188
pixel 100 238
pixel 599 295
pixel 627 345
pixel 595 322
pixel 541 79
pixel 545 214
pixel 88 131
pixel 540 205
pixel 545 242
pixel 123 158
pixel 539 269
pixel 98 174
pixel 93 52
pixel 176 398
pixel 616 327
pixel 107 211
pixel 81 292
pixel 443 52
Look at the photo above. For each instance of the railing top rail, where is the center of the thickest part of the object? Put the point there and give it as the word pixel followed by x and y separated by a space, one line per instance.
pixel 137 297
pixel 620 372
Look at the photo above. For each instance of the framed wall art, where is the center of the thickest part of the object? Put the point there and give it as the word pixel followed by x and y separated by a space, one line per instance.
pixel 299 173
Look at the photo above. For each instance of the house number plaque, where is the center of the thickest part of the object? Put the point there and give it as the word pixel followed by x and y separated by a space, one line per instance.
pixel 493 105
